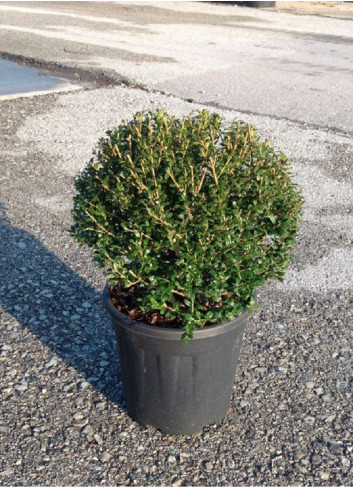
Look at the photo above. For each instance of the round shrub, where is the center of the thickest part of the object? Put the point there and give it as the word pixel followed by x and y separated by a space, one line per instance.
pixel 187 216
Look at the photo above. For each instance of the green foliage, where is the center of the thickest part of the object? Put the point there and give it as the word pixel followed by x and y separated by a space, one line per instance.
pixel 195 213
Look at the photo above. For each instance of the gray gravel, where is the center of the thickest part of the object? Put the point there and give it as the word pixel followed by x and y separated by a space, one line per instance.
pixel 62 415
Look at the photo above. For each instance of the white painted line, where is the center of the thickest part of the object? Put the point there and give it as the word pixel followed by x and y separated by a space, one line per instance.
pixel 58 13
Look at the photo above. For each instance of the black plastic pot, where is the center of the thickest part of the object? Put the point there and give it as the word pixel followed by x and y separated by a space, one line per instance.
pixel 174 387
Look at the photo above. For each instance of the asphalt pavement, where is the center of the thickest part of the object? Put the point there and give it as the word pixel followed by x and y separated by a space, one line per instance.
pixel 62 415
pixel 264 62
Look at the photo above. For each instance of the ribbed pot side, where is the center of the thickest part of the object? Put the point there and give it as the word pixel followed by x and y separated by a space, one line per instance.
pixel 172 386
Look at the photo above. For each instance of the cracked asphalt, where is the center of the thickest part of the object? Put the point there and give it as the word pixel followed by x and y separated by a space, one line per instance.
pixel 62 416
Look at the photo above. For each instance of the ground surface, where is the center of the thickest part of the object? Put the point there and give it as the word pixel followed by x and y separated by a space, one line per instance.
pixel 329 9
pixel 259 61
pixel 62 417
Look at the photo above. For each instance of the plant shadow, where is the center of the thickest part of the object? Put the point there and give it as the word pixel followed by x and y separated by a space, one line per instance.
pixel 59 307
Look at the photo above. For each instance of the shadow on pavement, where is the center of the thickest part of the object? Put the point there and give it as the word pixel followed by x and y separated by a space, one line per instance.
pixel 44 295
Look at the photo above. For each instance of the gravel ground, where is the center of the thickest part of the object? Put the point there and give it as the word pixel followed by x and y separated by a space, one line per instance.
pixel 63 420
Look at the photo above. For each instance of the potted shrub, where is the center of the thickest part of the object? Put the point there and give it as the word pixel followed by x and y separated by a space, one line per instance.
pixel 187 217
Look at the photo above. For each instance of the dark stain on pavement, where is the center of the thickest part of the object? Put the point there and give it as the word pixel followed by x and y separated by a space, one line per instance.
pixel 67 51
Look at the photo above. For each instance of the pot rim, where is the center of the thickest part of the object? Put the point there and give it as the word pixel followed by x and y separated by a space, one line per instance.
pixel 144 329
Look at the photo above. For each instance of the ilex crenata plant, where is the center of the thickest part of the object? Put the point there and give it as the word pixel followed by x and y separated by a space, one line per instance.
pixel 195 213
